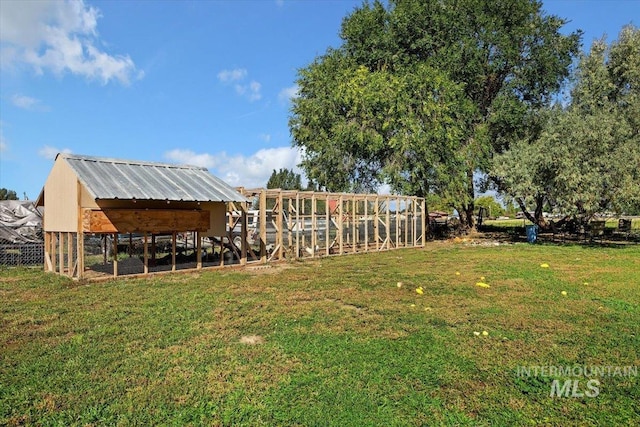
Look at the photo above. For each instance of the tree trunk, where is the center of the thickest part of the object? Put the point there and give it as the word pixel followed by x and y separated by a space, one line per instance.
pixel 537 217
pixel 471 194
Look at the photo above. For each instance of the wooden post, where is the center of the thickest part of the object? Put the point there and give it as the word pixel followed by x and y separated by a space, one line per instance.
pixel 298 225
pixel 145 253
pixel 424 222
pixel 406 222
pixel 340 226
pixel 263 226
pixel 354 226
pixel 290 226
pixel 366 224
pixel 80 255
pixel 415 221
pixel 244 247
pixel 174 237
pixel 398 221
pixel 79 233
pixel 115 254
pixel 327 214
pixel 69 255
pixel 388 223
pixel 47 251
pixel 279 225
pixel 198 250
pixel 314 228
pixel 376 223
pixel 60 241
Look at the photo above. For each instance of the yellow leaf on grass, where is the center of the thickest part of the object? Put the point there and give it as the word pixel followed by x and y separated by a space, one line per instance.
pixel 545 265
pixel 483 285
pixel 419 291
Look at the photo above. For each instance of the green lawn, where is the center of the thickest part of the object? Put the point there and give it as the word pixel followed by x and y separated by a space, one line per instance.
pixel 331 342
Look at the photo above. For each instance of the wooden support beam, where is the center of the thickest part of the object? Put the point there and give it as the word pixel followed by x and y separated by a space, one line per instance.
pixel 70 255
pixel 314 227
pixel 263 226
pixel 244 246
pixel 340 226
pixel 366 225
pixel 388 223
pixel 115 254
pixel 298 225
pixel 48 266
pixel 376 224
pixel 279 225
pixel 327 231
pixel 425 222
pixel 354 226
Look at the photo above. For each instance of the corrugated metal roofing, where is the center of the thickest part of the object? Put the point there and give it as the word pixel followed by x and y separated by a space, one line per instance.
pixel 107 178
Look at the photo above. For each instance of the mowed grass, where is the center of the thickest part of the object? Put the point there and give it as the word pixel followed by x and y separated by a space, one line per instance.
pixel 329 342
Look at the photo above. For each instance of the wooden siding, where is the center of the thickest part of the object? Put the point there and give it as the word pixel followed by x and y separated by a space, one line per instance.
pixel 139 221
pixel 61 205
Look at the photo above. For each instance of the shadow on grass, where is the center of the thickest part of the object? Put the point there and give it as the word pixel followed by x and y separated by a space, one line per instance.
pixel 518 234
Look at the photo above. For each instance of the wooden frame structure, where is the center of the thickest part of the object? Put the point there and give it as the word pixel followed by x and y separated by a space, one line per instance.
pixel 299 224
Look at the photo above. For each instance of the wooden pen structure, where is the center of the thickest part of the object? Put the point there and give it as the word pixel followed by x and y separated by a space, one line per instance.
pixel 111 200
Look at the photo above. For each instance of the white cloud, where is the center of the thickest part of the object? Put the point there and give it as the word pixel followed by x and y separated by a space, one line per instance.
pixel 28 103
pixel 288 93
pixel 265 137
pixel 239 170
pixel 50 153
pixel 188 157
pixel 59 36
pixel 227 76
pixel 250 90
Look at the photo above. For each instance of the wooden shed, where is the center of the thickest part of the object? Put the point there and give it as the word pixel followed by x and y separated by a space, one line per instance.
pixel 86 195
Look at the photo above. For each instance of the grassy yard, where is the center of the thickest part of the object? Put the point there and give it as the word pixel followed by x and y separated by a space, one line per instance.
pixel 332 342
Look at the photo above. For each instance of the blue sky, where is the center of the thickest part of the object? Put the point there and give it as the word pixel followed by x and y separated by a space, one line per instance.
pixel 199 82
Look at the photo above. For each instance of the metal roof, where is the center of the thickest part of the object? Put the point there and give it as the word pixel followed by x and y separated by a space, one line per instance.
pixel 107 178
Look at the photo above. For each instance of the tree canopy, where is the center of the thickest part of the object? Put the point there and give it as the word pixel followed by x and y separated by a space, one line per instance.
pixel 6 194
pixel 586 160
pixel 285 179
pixel 421 94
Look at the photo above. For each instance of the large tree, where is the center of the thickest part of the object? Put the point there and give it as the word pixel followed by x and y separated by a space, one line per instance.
pixel 8 194
pixel 421 94
pixel 587 158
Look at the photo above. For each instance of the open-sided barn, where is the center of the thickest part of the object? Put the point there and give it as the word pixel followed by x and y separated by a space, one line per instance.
pixel 95 195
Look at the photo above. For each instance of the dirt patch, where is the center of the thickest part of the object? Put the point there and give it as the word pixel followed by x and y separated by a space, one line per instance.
pixel 252 340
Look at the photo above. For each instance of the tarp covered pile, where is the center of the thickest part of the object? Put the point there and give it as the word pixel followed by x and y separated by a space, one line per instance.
pixel 20 222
